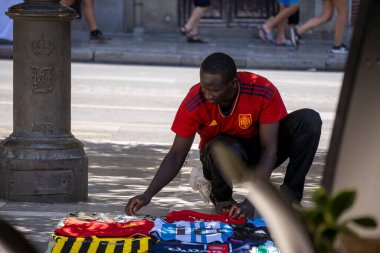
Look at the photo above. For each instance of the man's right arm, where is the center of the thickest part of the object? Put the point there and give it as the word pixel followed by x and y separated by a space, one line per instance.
pixel 167 171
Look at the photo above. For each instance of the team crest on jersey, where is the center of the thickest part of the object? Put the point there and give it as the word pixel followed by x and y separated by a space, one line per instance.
pixel 245 121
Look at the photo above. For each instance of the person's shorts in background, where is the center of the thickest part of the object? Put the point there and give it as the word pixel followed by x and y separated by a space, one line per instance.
pixel 202 3
pixel 288 2
pixel 295 18
pixel 77 7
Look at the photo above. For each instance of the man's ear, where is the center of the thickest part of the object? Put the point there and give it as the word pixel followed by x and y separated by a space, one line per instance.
pixel 235 82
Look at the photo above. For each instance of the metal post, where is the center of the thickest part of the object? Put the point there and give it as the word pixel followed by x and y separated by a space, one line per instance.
pixel 41 161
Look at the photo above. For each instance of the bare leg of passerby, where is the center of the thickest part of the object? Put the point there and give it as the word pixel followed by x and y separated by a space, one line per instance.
pixel 319 20
pixel 67 2
pixel 341 21
pixel 281 38
pixel 191 26
pixel 297 32
pixel 282 15
pixel 190 29
pixel 89 15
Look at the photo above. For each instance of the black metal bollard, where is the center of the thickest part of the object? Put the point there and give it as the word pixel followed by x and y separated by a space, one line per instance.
pixel 41 161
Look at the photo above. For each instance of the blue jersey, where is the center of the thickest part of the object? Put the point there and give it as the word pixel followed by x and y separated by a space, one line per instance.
pixel 185 231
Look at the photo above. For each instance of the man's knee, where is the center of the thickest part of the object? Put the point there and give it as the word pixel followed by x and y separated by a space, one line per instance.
pixel 207 155
pixel 311 120
pixel 207 152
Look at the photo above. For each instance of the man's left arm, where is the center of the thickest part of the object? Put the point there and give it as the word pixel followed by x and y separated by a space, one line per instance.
pixel 268 140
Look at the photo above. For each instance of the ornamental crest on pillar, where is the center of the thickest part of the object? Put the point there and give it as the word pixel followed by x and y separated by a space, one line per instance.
pixel 42 47
pixel 42 79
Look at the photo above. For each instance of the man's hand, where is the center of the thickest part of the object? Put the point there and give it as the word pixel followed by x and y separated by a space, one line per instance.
pixel 135 203
pixel 242 210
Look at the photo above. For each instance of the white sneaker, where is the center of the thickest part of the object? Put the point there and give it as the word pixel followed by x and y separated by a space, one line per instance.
pixel 294 37
pixel 201 184
pixel 342 49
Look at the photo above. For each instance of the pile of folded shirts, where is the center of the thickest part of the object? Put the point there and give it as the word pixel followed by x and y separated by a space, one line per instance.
pixel 179 231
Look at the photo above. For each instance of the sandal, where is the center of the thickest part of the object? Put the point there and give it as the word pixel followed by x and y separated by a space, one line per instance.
pixel 266 37
pixel 183 31
pixel 195 38
pixel 287 43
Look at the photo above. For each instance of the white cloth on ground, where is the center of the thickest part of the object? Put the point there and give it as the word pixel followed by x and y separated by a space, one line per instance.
pixel 199 183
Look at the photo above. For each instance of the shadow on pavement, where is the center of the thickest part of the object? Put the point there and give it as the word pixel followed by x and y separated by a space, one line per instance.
pixel 118 172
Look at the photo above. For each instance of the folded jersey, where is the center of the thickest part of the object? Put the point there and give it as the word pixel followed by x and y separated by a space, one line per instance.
pixel 103 228
pixel 185 231
pixel 95 244
pixel 188 215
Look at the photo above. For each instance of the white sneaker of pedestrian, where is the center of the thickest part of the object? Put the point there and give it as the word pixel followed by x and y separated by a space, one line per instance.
pixel 199 183
pixel 342 49
pixel 293 37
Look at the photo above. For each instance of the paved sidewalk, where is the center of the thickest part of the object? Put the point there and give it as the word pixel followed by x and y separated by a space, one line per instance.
pixel 172 49
pixel 118 172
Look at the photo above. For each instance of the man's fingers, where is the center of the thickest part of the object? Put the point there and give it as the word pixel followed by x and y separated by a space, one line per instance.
pixel 232 210
pixel 247 213
pixel 240 212
pixel 135 209
pixel 129 209
pixel 136 206
pixel 133 206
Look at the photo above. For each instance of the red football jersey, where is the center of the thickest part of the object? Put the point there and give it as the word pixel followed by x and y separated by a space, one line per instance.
pixel 193 216
pixel 257 102
pixel 104 228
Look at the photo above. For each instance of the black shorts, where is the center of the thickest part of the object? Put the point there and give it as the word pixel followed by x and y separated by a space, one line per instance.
pixel 77 7
pixel 295 18
pixel 202 3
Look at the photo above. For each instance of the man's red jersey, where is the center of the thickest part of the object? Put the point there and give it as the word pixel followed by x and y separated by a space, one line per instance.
pixel 257 102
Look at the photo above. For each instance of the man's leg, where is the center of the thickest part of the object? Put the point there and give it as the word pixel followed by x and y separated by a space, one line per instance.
pixel 221 189
pixel 298 140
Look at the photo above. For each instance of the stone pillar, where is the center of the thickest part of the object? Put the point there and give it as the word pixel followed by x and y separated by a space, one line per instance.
pixel 41 161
